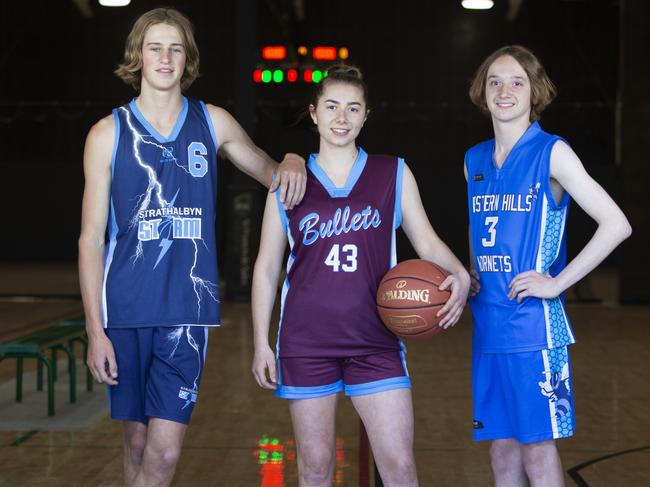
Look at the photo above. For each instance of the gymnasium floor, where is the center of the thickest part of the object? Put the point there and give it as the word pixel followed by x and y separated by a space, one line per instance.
pixel 241 435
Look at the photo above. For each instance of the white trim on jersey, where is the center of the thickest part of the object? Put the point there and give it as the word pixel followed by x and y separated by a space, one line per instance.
pixel 112 232
pixel 547 324
pixel 568 328
pixel 285 286
pixel 542 233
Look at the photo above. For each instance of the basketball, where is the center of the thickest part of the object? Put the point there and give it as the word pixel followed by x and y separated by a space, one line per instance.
pixel 408 299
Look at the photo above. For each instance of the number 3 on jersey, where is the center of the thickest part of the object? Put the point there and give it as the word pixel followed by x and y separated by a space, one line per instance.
pixel 348 251
pixel 491 223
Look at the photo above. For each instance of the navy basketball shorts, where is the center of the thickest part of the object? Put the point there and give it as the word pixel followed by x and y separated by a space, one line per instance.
pixel 311 377
pixel 159 372
pixel 526 396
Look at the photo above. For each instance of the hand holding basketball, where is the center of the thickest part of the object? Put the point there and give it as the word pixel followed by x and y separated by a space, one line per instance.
pixel 409 299
pixel 458 284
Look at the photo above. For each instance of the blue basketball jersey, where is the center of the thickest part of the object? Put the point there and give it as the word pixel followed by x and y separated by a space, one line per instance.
pixel 161 263
pixel 342 242
pixel 515 226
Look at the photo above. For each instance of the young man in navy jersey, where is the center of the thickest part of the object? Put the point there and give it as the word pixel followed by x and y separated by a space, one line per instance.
pixel 150 291
pixel 519 185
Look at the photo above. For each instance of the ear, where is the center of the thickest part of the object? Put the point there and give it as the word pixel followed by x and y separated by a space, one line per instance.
pixel 312 114
pixel 366 117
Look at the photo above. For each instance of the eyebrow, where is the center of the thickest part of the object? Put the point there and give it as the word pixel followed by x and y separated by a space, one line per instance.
pixel 512 77
pixel 337 102
pixel 160 44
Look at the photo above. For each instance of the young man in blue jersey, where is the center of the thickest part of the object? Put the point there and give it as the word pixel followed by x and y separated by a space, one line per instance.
pixel 150 291
pixel 519 185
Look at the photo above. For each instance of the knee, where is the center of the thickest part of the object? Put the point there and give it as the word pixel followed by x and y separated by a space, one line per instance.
pixel 400 470
pixel 168 458
pixel 505 457
pixel 162 459
pixel 319 476
pixel 539 456
pixel 317 467
pixel 134 447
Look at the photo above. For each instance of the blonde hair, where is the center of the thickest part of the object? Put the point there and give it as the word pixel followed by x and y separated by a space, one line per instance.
pixel 542 89
pixel 129 70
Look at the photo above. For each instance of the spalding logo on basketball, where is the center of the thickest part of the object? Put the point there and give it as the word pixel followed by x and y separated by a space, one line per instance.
pixel 408 298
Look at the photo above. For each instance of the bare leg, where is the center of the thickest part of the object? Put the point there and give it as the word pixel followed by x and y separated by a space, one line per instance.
pixel 542 464
pixel 161 453
pixel 135 438
pixel 388 418
pixel 507 463
pixel 314 428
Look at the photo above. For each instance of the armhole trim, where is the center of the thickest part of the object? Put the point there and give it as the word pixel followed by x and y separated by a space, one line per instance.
pixel 397 217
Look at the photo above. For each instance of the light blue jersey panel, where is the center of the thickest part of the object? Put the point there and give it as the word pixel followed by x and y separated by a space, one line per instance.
pixel 515 226
pixel 161 262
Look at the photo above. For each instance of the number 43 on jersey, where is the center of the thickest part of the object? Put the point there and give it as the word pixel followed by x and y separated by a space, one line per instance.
pixel 346 253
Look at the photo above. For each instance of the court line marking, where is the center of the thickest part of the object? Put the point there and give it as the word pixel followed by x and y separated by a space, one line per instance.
pixel 23 438
pixel 577 478
pixel 24 298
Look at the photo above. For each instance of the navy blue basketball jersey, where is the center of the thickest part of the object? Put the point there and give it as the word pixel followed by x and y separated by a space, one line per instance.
pixel 161 263
pixel 342 242
pixel 516 226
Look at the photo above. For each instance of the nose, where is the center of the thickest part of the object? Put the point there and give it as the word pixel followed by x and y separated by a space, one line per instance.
pixel 341 116
pixel 503 90
pixel 165 55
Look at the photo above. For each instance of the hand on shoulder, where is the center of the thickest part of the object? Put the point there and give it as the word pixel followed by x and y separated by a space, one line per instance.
pixel 291 179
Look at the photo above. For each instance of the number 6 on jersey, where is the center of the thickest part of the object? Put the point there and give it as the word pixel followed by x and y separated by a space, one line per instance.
pixel 348 251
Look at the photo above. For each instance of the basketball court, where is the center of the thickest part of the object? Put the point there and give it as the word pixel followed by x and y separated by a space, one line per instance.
pixel 241 435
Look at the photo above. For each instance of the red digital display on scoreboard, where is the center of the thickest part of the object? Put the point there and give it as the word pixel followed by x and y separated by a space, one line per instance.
pixel 324 53
pixel 274 52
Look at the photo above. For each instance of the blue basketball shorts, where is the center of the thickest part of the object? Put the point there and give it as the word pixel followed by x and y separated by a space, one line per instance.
pixel 310 377
pixel 526 396
pixel 159 372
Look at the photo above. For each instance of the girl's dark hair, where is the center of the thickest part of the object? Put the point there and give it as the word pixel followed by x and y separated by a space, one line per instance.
pixel 341 73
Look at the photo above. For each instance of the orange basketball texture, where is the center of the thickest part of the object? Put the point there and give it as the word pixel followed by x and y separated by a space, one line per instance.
pixel 408 299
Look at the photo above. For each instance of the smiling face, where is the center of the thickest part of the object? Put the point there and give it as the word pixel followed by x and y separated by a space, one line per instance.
pixel 163 57
pixel 339 113
pixel 507 90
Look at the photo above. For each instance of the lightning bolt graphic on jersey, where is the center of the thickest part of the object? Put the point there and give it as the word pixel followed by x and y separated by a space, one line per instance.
pixel 154 191
pixel 175 337
pixel 166 224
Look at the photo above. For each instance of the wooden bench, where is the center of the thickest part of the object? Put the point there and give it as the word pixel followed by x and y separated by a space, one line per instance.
pixel 38 344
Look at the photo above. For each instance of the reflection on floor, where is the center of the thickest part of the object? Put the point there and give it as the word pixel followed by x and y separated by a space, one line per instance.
pixel 274 456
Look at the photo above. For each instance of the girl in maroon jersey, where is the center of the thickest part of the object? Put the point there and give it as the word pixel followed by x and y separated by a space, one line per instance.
pixel 342 239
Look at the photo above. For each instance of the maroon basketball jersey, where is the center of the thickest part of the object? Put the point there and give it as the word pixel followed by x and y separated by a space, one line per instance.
pixel 342 243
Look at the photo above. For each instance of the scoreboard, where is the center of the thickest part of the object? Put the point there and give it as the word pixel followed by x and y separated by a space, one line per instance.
pixel 280 64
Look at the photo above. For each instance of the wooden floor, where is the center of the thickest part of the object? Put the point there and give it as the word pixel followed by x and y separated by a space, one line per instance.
pixel 241 435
